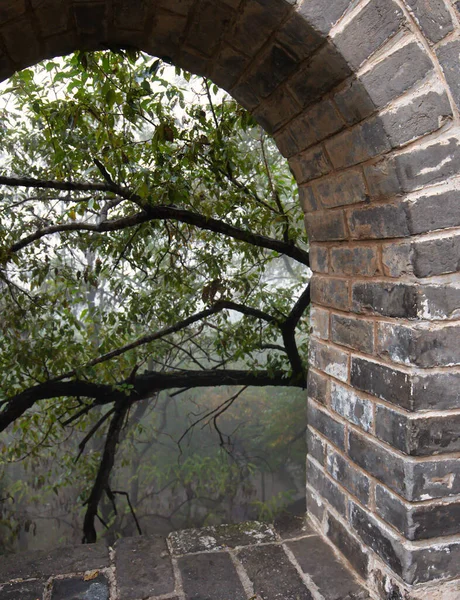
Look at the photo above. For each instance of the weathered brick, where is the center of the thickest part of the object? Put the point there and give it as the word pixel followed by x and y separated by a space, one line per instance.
pixel 350 478
pixel 328 359
pixel 351 407
pixel 419 522
pixel 433 18
pixel 381 381
pixel 386 299
pixel 65 589
pixel 319 259
pixel 317 386
pixel 436 257
pixel 448 58
pixel 377 222
pixel 326 69
pixel 354 102
pixel 424 114
pixel 330 292
pixel 319 320
pixel 418 436
pixel 341 189
pixel 316 447
pixel 228 67
pixel 358 260
pixel 324 119
pixel 370 28
pixel 26 590
pixel 12 9
pixel 348 545
pixel 353 333
pixel 310 164
pixel 299 36
pixel 397 260
pixel 315 506
pixel 276 64
pixel 326 488
pixel 356 145
pixel 275 112
pixel 430 563
pixel 382 179
pixel 439 301
pixel 323 16
pixel 418 345
pixel 397 73
pixel 326 226
pixel 431 212
pixel 330 428
pixel 384 542
pixel 436 391
pixel 432 479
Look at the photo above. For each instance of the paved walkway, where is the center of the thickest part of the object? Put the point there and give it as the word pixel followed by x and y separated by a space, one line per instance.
pixel 250 561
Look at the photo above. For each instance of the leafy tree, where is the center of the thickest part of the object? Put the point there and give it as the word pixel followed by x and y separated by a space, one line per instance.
pixel 150 240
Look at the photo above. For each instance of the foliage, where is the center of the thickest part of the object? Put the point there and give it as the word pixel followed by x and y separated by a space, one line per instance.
pixel 147 230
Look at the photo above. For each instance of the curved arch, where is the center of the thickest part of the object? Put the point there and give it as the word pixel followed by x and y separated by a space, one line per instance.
pixel 361 96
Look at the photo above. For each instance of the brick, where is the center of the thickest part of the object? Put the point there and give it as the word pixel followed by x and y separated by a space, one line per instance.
pixel 322 16
pixel 430 563
pixel 21 42
pixel 419 522
pixel 68 589
pixel 448 58
pixel 326 488
pixel 271 70
pixel 132 17
pixel 326 226
pixel 274 113
pixel 315 447
pixel 356 145
pixel 351 407
pixel 11 9
pixel 383 382
pixel 319 320
pixel 418 436
pixel 299 36
pixel 289 526
pixel 386 299
pixel 384 542
pixel 431 164
pixel 272 574
pixel 386 466
pixel 326 69
pixel 439 301
pixel 329 574
pixel 430 212
pixel 397 260
pixel 324 119
pixel 372 27
pixel 426 348
pixel 350 478
pixel 358 260
pixel 224 583
pixel 319 259
pixel 328 359
pixel 353 333
pixel 354 102
pixel 210 22
pixel 229 66
pixel 326 425
pixel 143 567
pixel 329 292
pixel 432 479
pixel 437 391
pixel 341 189
pixel 396 74
pixel 433 18
pixel 315 506
pixel 382 180
pixel 378 222
pixel 348 545
pixel 51 15
pixel 424 114
pixel 436 257
pixel 310 164
pixel 317 386
pixel 257 21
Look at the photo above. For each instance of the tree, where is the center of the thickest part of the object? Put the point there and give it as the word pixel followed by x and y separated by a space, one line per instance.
pixel 147 228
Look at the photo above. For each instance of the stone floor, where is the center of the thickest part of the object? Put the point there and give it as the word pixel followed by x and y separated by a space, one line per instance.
pixel 250 561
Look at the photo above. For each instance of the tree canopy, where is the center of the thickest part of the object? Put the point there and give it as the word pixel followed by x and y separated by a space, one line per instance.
pixel 150 239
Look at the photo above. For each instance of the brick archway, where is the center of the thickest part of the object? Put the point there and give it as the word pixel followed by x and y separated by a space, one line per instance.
pixel 362 97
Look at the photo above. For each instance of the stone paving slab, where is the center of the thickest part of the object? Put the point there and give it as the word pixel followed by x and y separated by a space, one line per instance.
pixel 250 561
pixel 41 564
